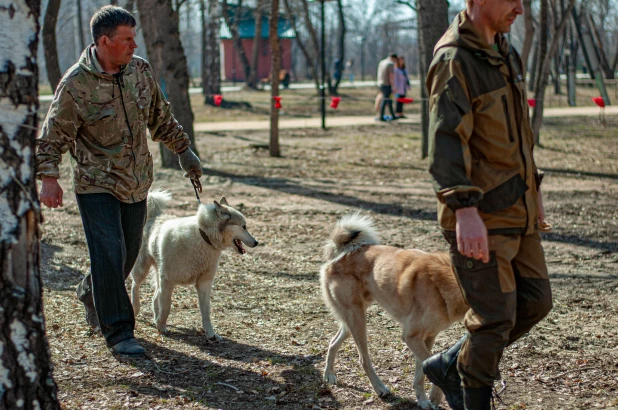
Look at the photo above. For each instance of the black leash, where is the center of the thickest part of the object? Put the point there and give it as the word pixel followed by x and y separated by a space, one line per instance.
pixel 197 186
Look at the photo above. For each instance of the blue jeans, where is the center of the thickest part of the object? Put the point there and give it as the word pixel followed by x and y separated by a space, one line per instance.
pixel 114 234
pixel 386 100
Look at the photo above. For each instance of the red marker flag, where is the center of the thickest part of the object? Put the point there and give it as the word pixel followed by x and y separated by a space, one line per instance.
pixel 277 102
pixel 217 98
pixel 405 100
pixel 335 102
pixel 599 101
pixel 532 102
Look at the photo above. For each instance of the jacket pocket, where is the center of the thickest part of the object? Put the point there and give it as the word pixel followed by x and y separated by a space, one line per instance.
pixel 507 118
pixel 503 196
pixel 103 126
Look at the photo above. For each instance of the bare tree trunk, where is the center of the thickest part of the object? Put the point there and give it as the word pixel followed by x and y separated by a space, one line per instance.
pixel 236 40
pixel 529 36
pixel 545 57
pixel 252 81
pixel 160 23
pixel 275 50
pixel 130 6
pixel 432 16
pixel 609 72
pixel 333 88
pixel 25 366
pixel 211 68
pixel 311 64
pixel 49 43
pixel 313 36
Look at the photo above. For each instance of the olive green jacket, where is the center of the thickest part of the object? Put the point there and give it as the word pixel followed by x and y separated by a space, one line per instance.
pixel 480 139
pixel 104 120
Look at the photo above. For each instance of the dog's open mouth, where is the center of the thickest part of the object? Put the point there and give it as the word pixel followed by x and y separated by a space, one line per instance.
pixel 238 244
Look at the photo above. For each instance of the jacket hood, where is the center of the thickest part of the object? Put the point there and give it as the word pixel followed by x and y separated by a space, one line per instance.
pixel 462 33
pixel 86 61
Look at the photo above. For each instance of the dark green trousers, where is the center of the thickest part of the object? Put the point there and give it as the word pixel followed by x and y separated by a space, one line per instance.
pixel 507 297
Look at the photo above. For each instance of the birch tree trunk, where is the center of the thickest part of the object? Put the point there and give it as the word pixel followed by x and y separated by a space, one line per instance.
pixel 432 18
pixel 211 67
pixel 165 53
pixel 49 43
pixel 333 88
pixel 275 50
pixel 25 368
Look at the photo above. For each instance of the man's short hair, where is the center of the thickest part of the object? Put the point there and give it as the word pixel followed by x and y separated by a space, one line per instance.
pixel 393 55
pixel 107 19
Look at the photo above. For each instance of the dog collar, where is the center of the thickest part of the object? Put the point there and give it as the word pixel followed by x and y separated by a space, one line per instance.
pixel 205 237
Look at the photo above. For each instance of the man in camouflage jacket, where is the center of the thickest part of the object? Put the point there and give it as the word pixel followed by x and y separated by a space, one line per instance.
pixel 489 198
pixel 102 112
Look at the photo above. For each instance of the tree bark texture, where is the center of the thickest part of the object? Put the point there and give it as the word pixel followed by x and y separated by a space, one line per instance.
pixel 253 79
pixel 80 26
pixel 25 367
pixel 545 58
pixel 432 16
pixel 167 57
pixel 236 40
pixel 607 70
pixel 49 43
pixel 529 35
pixel 313 36
pixel 275 51
pixel 211 68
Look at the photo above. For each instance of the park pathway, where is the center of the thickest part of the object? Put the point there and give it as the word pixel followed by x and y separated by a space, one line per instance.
pixel 316 122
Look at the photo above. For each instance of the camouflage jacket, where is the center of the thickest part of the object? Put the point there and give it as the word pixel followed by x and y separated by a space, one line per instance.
pixel 103 120
pixel 480 137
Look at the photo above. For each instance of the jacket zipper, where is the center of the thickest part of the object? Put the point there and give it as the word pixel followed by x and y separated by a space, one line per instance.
pixel 126 117
pixel 508 118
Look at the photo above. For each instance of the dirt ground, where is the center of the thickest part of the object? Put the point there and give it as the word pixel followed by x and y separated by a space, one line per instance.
pixel 267 304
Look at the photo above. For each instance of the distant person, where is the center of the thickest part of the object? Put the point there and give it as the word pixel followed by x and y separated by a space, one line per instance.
pixel 386 81
pixel 104 108
pixel 348 68
pixel 402 85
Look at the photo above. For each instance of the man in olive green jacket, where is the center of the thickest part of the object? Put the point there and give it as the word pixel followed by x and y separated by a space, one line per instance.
pixel 489 198
pixel 103 110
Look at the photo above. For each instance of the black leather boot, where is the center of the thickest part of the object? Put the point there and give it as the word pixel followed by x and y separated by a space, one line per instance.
pixel 477 398
pixel 441 370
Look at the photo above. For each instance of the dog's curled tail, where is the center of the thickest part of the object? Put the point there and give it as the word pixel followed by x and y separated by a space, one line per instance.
pixel 157 203
pixel 350 233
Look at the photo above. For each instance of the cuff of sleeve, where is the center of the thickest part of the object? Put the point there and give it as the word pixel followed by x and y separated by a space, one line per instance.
pixel 182 144
pixel 47 173
pixel 538 178
pixel 460 196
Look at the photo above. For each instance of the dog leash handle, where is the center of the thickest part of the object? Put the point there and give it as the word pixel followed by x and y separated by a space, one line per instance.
pixel 197 186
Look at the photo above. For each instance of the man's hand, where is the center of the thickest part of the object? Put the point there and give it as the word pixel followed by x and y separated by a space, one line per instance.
pixel 190 163
pixel 471 234
pixel 51 193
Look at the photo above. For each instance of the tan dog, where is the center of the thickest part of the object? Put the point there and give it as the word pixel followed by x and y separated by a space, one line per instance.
pixel 416 288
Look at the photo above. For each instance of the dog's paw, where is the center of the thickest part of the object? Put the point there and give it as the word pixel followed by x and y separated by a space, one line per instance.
pixel 214 338
pixel 330 378
pixel 382 390
pixel 426 405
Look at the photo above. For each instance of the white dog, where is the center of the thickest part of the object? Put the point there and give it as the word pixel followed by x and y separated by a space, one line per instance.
pixel 186 251
pixel 417 289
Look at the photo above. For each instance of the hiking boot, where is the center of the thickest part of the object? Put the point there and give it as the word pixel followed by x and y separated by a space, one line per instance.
pixel 478 398
pixel 441 370
pixel 129 348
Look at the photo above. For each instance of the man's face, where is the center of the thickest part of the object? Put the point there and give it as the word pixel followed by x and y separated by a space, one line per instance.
pixel 121 45
pixel 501 14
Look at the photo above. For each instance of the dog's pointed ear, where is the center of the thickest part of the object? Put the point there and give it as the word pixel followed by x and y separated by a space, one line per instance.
pixel 221 211
pixel 217 205
pixel 224 201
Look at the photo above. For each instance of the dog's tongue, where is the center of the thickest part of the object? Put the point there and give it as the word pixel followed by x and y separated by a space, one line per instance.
pixel 238 244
